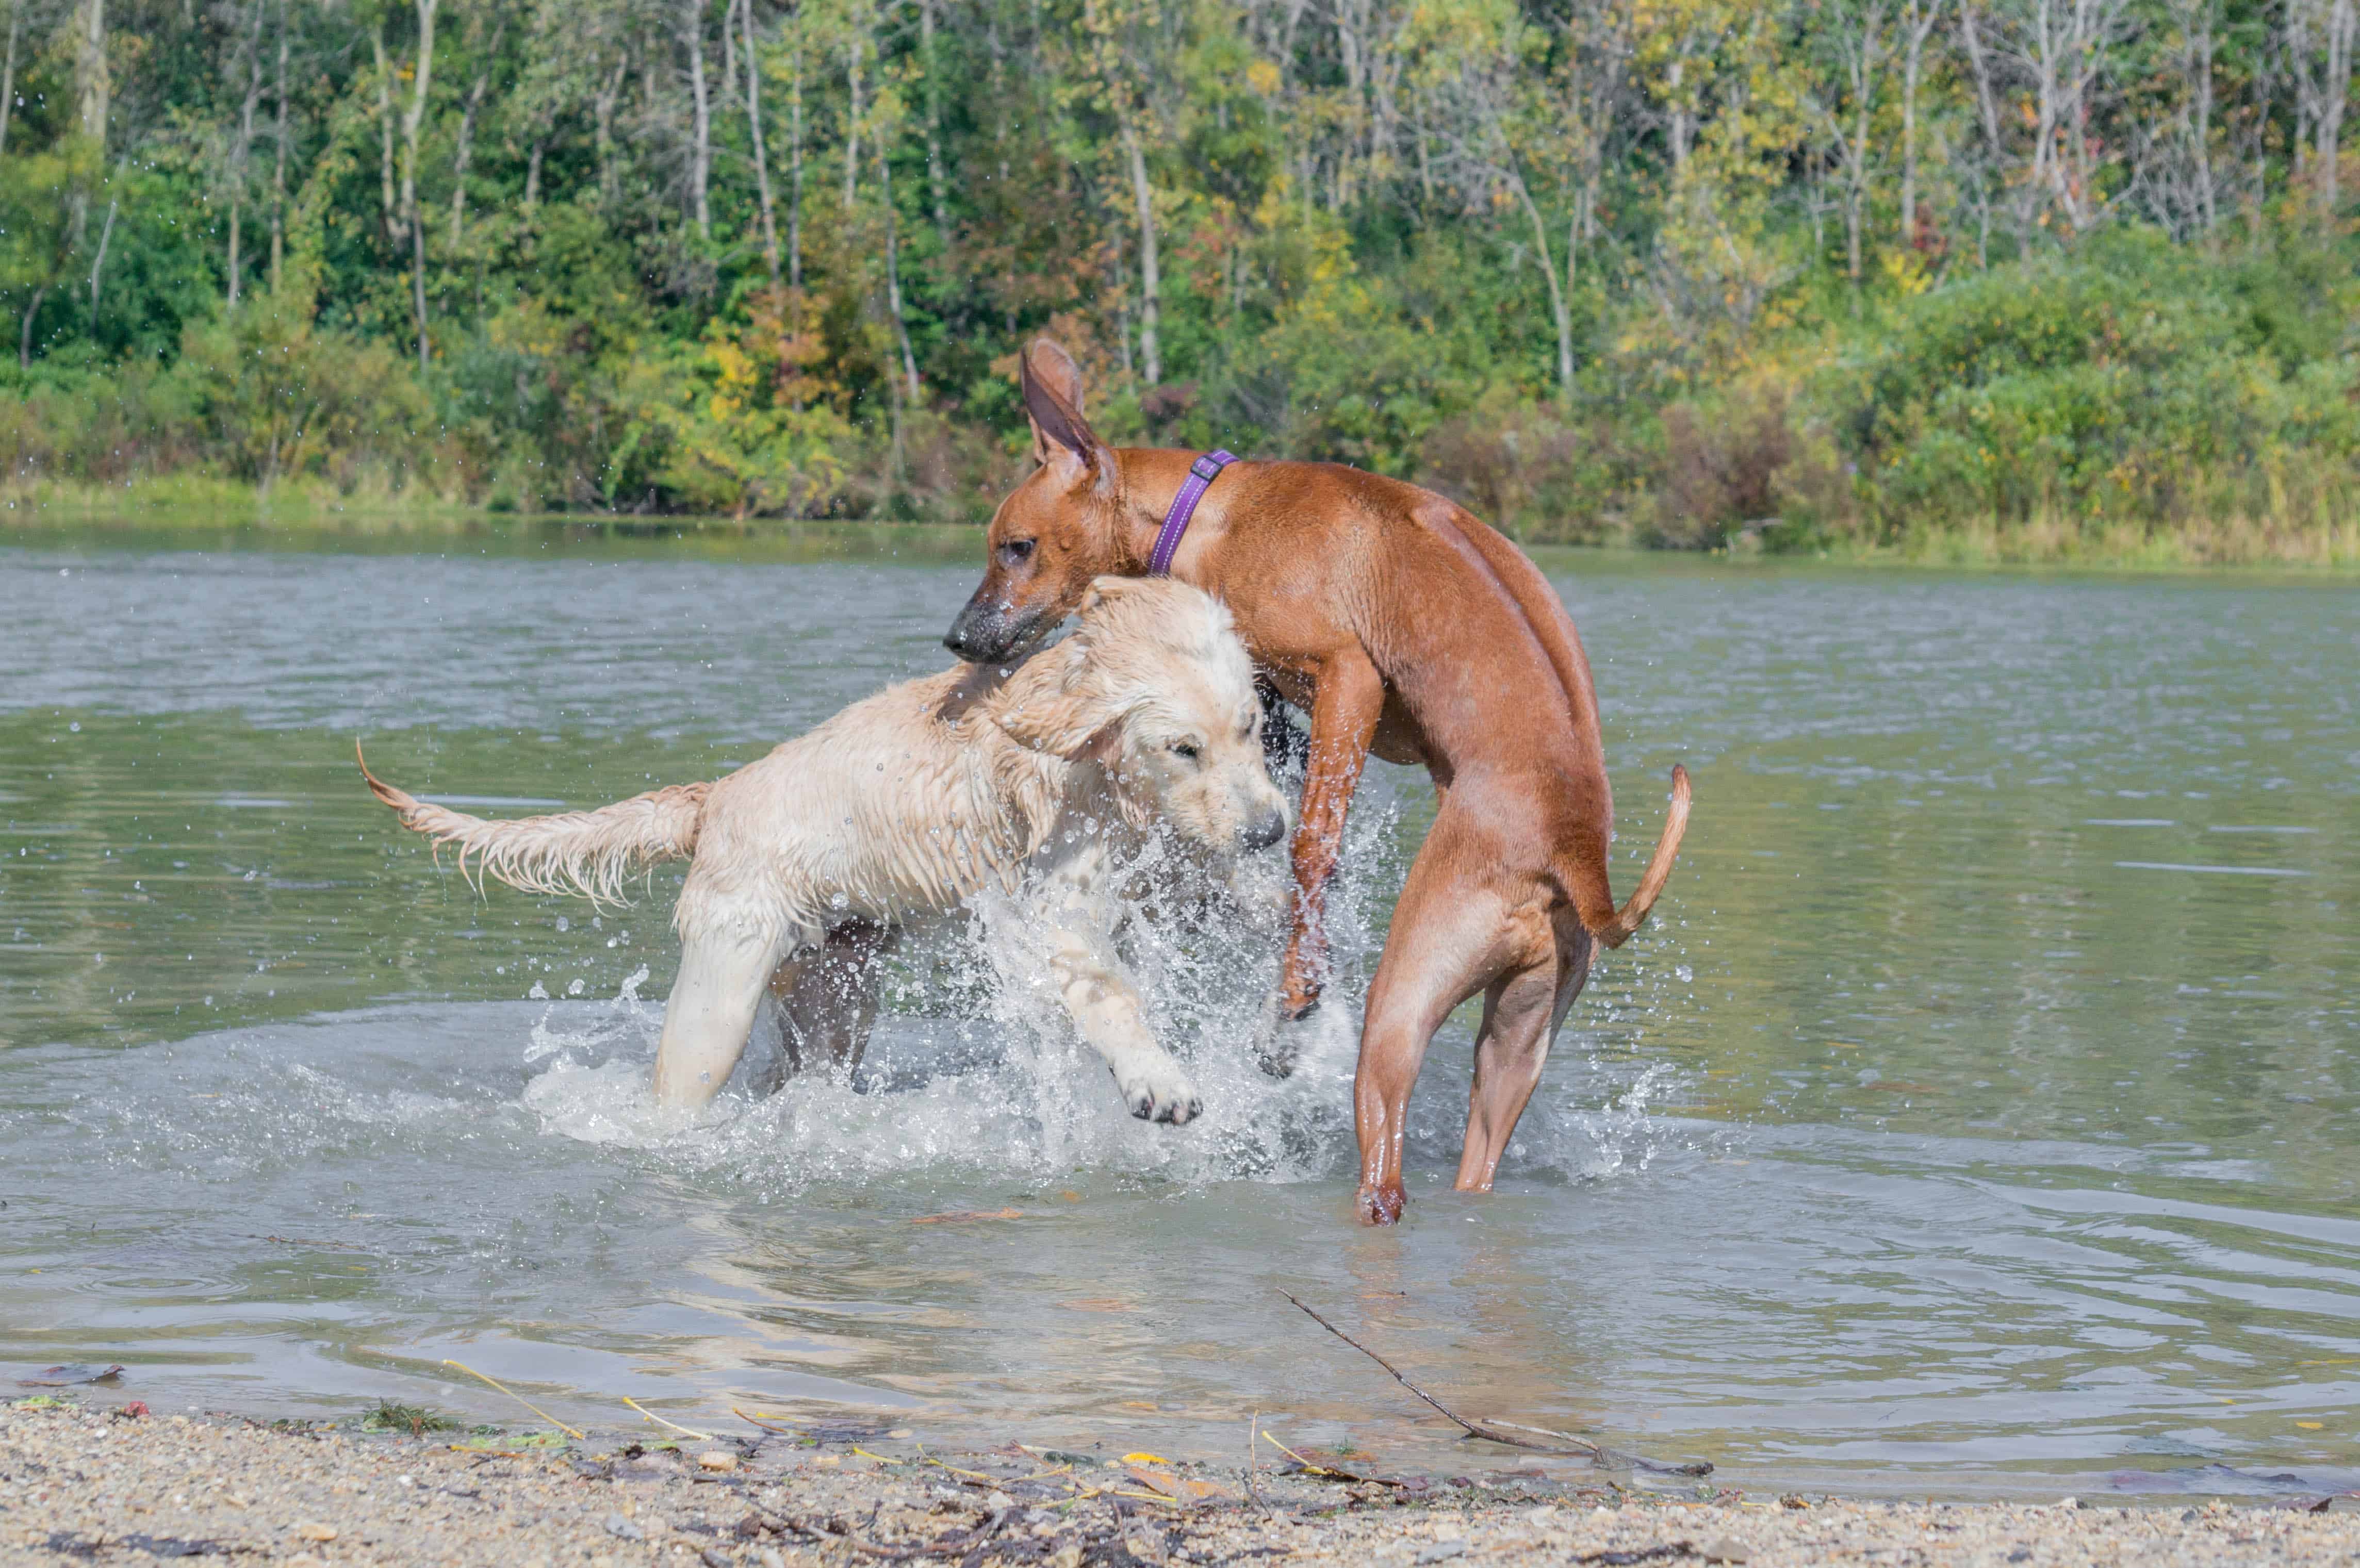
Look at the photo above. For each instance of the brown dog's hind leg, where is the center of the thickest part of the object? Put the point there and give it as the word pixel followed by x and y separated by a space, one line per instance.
pixel 1522 1013
pixel 827 997
pixel 1452 935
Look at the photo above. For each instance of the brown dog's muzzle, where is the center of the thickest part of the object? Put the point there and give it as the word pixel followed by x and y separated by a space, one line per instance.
pixel 989 630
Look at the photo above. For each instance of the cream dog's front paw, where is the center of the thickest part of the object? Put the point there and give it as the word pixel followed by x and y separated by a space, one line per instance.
pixel 1158 1091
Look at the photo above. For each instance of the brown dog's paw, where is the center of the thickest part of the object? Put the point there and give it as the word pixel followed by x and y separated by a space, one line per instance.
pixel 1380 1205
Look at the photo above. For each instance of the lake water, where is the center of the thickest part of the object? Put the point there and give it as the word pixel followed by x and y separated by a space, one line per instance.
pixel 1976 1115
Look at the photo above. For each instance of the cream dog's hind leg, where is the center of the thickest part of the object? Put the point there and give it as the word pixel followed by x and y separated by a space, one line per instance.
pixel 721 979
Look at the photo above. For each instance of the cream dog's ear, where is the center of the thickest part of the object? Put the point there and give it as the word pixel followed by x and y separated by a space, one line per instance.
pixel 1064 733
pixel 1075 721
pixel 1107 590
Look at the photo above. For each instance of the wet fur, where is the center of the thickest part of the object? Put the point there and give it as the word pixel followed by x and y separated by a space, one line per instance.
pixel 1042 780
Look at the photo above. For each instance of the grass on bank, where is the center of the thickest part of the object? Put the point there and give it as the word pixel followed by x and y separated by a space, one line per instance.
pixel 183 505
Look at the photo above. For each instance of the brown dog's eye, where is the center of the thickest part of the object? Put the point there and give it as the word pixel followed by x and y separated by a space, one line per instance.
pixel 1186 748
pixel 1016 551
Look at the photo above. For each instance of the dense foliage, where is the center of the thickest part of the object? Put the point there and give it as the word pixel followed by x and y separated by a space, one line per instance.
pixel 1676 270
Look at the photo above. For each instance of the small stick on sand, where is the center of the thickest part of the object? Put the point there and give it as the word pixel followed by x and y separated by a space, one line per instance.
pixel 690 1431
pixel 1491 1433
pixel 574 1432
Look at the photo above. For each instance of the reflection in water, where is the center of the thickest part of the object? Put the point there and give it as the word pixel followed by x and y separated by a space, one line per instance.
pixel 1977 1109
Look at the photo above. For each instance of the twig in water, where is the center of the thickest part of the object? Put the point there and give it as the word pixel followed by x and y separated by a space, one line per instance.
pixel 1493 1433
pixel 766 1426
pixel 660 1422
pixel 574 1432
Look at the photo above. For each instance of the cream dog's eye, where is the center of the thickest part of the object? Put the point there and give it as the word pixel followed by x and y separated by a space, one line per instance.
pixel 1186 748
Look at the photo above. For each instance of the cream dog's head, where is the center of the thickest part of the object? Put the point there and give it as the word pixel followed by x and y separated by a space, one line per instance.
pixel 1154 687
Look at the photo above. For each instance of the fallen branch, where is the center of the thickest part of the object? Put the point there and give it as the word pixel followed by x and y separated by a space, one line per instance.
pixel 1497 1431
pixel 757 1421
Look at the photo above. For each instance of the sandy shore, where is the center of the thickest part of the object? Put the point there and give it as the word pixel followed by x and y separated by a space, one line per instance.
pixel 91 1485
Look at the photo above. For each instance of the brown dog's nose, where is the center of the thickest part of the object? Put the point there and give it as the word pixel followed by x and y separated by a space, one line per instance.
pixel 983 631
pixel 1265 830
pixel 962 637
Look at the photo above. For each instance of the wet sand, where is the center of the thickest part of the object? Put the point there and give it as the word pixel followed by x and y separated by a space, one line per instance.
pixel 90 1484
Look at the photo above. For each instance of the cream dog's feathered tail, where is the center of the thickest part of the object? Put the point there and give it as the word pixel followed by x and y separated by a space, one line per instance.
pixel 589 853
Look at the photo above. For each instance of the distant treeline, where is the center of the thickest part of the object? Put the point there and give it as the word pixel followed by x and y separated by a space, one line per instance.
pixel 2076 273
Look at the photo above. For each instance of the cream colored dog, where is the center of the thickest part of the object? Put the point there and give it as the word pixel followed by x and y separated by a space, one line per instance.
pixel 1045 780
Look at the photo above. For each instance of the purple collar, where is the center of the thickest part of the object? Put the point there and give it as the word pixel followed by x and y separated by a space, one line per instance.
pixel 1201 474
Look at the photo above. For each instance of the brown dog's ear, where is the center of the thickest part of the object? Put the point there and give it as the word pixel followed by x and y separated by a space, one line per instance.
pixel 1062 438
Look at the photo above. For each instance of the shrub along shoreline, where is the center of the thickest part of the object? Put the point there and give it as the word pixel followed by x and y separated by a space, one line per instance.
pixel 2131 403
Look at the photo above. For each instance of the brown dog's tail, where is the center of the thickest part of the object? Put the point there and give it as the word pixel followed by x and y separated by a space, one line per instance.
pixel 589 853
pixel 1617 930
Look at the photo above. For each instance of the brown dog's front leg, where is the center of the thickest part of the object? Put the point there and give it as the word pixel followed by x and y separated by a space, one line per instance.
pixel 1345 704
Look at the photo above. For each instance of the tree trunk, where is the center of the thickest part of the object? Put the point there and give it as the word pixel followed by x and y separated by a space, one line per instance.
pixel 2045 94
pixel 1682 125
pixel 603 113
pixel 761 153
pixel 1919 19
pixel 413 119
pixel 2338 41
pixel 241 149
pixel 25 338
pixel 700 161
pixel 894 272
pixel 1560 308
pixel 98 264
pixel 386 209
pixel 1151 279
pixel 532 173
pixel 278 164
pixel 465 152
pixel 729 10
pixel 8 72
pixel 795 165
pixel 92 86
pixel 935 184
pixel 851 122
pixel 2196 68
pixel 1987 102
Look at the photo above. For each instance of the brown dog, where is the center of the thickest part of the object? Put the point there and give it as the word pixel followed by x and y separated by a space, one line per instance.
pixel 1408 628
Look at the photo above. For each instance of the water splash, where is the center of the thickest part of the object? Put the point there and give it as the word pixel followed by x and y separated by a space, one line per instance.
pixel 974 1072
